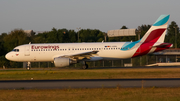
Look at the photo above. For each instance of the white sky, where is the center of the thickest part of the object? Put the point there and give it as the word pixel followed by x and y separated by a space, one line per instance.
pixel 43 15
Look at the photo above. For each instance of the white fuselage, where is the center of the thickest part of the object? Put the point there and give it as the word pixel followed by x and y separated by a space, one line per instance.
pixel 47 52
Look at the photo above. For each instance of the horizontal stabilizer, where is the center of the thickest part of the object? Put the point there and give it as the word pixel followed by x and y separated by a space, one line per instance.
pixel 163 45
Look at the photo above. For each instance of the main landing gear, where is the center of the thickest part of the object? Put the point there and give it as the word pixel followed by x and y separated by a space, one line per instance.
pixel 85 66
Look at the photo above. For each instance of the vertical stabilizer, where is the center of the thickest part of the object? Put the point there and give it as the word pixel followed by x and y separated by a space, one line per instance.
pixel 157 31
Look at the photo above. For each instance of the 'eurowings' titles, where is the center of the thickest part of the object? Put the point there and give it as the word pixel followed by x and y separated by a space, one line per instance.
pixel 44 47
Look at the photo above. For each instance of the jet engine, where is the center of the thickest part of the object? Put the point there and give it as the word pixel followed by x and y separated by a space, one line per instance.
pixel 61 62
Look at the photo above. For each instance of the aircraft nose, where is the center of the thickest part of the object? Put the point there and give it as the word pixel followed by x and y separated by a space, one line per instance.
pixel 12 56
pixel 7 56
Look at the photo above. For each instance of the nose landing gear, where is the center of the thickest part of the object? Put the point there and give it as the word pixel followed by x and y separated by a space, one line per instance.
pixel 28 67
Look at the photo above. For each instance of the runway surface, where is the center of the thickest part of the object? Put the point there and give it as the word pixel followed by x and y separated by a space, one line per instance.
pixel 90 83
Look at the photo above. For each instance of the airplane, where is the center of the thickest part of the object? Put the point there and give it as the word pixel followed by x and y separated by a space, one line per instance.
pixel 64 54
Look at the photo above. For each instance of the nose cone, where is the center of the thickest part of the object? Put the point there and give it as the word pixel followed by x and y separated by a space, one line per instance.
pixel 7 56
pixel 11 56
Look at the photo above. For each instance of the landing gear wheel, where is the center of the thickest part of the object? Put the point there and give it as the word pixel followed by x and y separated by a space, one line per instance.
pixel 85 66
pixel 28 67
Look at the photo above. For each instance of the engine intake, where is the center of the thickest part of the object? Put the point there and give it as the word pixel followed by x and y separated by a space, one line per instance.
pixel 61 62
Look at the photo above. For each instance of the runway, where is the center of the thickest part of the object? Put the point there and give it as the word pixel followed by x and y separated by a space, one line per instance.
pixel 90 83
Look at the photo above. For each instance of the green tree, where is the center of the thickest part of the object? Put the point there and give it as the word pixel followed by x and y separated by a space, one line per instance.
pixel 40 38
pixel 72 36
pixel 143 29
pixel 8 42
pixel 88 35
pixel 2 49
pixel 124 27
pixel 52 36
pixel 170 36
pixel 14 38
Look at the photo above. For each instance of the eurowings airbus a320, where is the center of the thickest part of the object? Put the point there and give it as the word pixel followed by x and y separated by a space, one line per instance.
pixel 64 54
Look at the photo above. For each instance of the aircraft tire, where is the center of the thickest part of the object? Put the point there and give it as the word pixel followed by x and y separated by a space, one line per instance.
pixel 85 66
pixel 28 68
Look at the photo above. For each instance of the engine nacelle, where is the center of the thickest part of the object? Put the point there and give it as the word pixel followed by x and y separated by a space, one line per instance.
pixel 61 62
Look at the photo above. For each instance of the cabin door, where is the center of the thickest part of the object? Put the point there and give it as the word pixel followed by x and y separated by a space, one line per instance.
pixel 27 50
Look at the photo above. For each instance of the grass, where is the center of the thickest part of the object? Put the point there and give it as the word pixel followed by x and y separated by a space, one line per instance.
pixel 95 94
pixel 90 73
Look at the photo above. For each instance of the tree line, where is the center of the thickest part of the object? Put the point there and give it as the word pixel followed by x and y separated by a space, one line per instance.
pixel 18 37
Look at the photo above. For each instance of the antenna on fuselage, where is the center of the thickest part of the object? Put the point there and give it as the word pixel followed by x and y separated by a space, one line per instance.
pixel 29 42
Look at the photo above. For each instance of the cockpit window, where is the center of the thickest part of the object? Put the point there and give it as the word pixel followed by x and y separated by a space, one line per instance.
pixel 15 50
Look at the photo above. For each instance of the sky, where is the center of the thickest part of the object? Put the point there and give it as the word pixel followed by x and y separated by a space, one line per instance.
pixel 43 15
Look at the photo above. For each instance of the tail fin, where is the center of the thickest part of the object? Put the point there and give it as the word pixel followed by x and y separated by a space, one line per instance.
pixel 157 31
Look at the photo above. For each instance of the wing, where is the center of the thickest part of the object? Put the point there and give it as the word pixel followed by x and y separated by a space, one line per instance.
pixel 80 56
